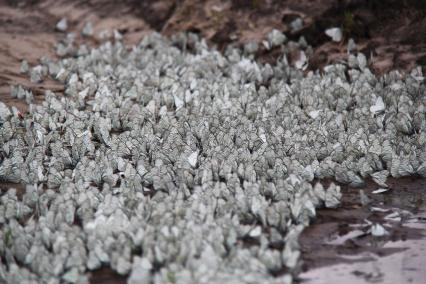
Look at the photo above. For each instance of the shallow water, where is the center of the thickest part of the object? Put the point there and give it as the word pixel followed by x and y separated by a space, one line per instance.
pixel 341 249
pixel 405 266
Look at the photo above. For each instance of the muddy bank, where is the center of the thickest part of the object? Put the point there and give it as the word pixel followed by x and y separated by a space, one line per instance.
pixel 403 266
pixel 389 32
pixel 27 31
pixel 339 242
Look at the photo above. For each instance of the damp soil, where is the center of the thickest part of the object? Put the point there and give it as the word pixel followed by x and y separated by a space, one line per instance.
pixel 341 236
pixel 106 275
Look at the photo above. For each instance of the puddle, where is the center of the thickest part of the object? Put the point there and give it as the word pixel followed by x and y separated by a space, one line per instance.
pixel 339 246
pixel 407 265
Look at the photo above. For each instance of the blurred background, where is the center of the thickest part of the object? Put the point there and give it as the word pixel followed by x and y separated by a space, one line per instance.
pixel 390 31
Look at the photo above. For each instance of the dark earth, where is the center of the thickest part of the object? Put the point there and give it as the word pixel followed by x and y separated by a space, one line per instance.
pixel 390 32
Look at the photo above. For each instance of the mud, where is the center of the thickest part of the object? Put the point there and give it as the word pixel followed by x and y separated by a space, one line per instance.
pixel 106 275
pixel 404 266
pixel 6 186
pixel 338 245
pixel 27 31
pixel 388 31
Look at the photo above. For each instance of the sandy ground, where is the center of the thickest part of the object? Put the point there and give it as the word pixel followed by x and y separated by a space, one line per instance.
pixel 390 32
